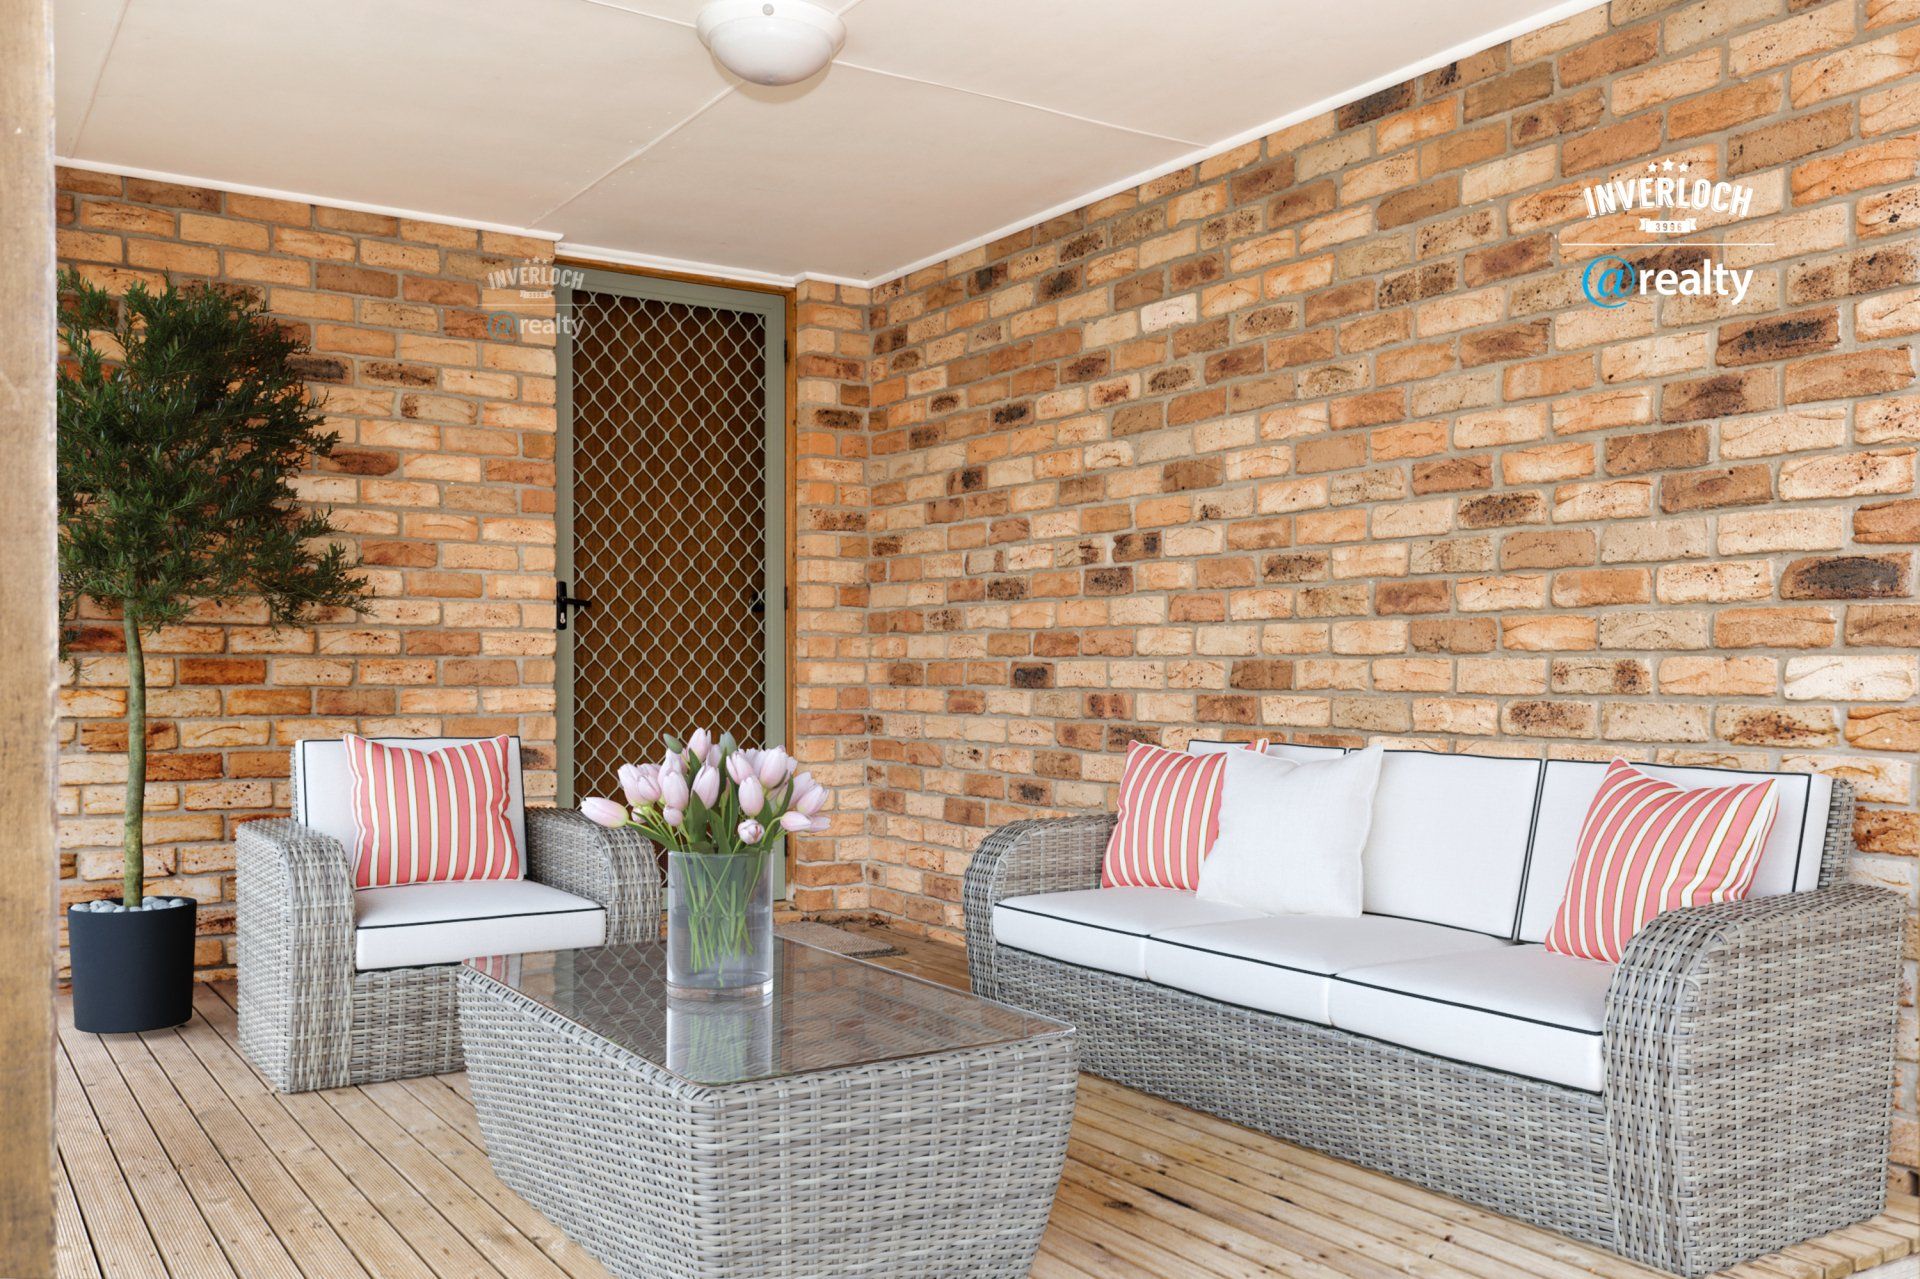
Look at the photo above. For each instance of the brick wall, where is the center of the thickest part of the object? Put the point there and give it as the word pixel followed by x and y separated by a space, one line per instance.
pixel 1320 438
pixel 443 483
pixel 832 730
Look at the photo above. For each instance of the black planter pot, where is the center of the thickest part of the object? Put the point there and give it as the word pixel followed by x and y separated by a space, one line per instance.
pixel 132 969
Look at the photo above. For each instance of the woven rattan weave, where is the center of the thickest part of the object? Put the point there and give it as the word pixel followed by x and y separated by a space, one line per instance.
pixel 1749 1066
pixel 309 1020
pixel 931 1148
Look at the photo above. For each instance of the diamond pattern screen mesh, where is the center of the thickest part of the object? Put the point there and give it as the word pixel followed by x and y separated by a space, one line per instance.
pixel 669 528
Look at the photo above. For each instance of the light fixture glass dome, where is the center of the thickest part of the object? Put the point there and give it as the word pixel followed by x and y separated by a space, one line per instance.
pixel 770 41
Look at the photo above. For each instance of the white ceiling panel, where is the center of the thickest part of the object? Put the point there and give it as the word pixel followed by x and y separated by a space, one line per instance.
pixel 607 123
pixel 82 32
pixel 488 109
pixel 687 10
pixel 1198 71
pixel 856 170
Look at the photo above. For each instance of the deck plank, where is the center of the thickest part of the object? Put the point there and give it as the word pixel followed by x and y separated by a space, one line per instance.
pixel 390 1181
pixel 73 1251
pixel 302 1227
pixel 250 1240
pixel 121 1242
pixel 176 1220
pixel 378 1248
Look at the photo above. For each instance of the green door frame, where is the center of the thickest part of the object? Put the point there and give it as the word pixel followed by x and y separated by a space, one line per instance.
pixel 772 308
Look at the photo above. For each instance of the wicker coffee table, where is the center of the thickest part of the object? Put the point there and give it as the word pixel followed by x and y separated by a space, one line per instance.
pixel 860 1123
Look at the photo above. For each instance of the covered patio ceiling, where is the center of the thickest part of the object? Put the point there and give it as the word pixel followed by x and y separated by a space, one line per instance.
pixel 606 123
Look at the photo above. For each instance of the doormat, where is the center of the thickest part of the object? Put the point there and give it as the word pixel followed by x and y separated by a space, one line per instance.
pixel 837 940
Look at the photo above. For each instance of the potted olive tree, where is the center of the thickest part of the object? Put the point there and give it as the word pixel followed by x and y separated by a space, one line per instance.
pixel 183 415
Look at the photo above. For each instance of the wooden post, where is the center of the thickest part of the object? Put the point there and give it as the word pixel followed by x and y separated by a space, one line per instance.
pixel 28 592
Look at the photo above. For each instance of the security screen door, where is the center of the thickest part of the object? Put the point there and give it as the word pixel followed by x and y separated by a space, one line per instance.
pixel 671 520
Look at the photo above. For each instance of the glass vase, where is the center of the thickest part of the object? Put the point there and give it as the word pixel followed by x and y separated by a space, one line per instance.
pixel 719 926
pixel 720 1041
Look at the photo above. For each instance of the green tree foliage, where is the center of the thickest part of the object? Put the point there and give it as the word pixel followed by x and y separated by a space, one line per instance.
pixel 183 419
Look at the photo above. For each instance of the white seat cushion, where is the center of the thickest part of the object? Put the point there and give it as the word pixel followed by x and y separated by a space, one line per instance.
pixel 1104 928
pixel 1789 862
pixel 323 785
pixel 1521 1009
pixel 1285 963
pixel 1449 839
pixel 443 923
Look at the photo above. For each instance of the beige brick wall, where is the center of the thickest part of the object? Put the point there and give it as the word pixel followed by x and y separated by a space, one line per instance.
pixel 833 727
pixel 1319 438
pixel 443 484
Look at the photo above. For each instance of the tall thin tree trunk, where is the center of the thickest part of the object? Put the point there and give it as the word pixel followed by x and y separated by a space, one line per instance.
pixel 133 832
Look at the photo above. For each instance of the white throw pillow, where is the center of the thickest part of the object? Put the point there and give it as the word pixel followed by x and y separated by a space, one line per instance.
pixel 1291 834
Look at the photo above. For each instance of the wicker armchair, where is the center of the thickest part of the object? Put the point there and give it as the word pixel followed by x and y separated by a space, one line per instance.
pixel 309 1020
pixel 1748 1055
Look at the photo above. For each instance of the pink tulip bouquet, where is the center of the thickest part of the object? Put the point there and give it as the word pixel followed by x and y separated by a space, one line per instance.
pixel 718 809
pixel 707 795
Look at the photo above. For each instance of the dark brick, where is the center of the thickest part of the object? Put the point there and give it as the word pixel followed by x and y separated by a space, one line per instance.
pixel 1503 261
pixel 1375 105
pixel 1499 510
pixel 1302 203
pixel 1723 395
pixel 1452 475
pixel 1656 450
pixel 1423 596
pixel 1778 337
pixel 1789 140
pixel 1261 673
pixel 1849 577
pixel 1257 184
pixel 1722 486
pixel 1510 342
pixel 1503 93
pixel 1417 203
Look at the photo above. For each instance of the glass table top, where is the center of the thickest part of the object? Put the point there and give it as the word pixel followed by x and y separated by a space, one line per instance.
pixel 827 1012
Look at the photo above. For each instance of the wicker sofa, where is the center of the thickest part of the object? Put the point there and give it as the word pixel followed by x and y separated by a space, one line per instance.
pixel 342 986
pixel 1722 1092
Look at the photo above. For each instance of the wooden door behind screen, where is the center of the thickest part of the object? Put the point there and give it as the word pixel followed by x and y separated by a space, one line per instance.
pixel 673 405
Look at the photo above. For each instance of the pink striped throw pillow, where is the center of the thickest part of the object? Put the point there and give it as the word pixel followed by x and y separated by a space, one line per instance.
pixel 1168 817
pixel 1649 846
pixel 428 815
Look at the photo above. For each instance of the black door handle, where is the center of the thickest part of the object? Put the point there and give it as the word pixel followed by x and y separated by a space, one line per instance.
pixel 563 604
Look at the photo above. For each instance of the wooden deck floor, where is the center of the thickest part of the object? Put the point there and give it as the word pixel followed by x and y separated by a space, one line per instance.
pixel 179 1162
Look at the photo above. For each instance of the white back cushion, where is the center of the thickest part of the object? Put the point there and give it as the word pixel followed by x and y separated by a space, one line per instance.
pixel 1279 750
pixel 323 785
pixel 1789 863
pixel 1291 834
pixel 1449 840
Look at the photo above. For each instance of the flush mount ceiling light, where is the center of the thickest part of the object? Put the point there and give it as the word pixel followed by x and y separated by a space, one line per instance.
pixel 770 41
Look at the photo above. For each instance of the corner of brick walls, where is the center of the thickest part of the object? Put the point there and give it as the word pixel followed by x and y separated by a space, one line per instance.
pixel 443 484
pixel 833 725
pixel 1319 439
